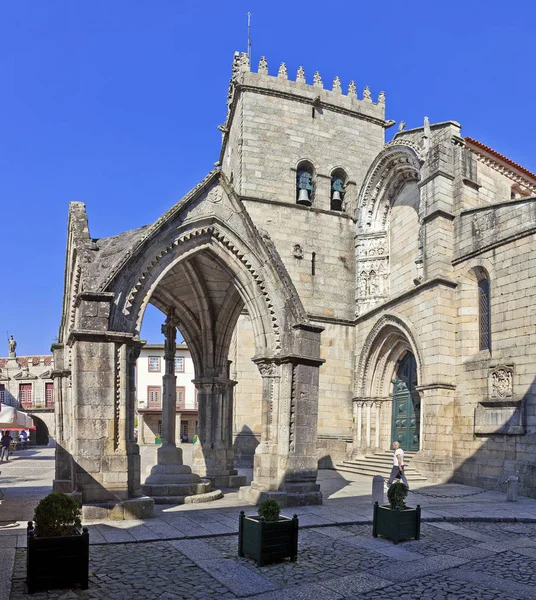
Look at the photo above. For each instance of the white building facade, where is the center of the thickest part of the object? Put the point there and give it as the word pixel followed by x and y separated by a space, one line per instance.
pixel 149 372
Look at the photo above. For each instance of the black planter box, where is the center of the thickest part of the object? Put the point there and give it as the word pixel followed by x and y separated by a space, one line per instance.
pixel 268 541
pixel 397 525
pixel 57 562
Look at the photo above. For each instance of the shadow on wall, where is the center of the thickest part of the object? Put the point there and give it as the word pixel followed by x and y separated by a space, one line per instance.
pixel 244 446
pixel 502 448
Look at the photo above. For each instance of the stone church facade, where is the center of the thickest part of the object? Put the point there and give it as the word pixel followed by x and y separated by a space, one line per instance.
pixel 336 293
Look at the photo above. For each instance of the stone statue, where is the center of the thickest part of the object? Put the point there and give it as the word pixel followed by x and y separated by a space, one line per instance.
pixel 401 126
pixel 12 346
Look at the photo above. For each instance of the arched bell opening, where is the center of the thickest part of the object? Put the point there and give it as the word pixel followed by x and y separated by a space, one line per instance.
pixel 305 183
pixel 339 180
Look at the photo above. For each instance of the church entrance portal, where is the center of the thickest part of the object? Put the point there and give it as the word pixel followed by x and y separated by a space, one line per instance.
pixel 406 405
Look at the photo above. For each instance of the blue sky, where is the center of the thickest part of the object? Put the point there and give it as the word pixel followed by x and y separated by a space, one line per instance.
pixel 116 104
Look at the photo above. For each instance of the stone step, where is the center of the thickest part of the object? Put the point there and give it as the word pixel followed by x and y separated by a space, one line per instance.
pixel 372 472
pixel 379 463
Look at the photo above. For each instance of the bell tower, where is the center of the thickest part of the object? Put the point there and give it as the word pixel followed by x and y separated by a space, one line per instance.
pixel 297 143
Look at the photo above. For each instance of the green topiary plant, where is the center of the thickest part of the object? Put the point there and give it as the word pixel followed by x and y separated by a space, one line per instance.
pixel 269 509
pixel 396 494
pixel 57 514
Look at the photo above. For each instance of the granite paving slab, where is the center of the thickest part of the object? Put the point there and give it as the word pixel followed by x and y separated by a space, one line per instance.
pixel 436 587
pixel 302 592
pixel 402 572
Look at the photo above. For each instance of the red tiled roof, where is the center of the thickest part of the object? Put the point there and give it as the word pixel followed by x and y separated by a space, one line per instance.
pixel 500 156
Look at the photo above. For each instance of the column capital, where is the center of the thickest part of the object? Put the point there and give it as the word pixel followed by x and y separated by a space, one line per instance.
pixel 210 382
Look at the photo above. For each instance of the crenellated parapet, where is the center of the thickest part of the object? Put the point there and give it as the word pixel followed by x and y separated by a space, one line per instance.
pixel 302 90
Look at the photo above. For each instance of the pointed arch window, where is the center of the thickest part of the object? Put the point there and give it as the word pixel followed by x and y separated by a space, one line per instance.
pixel 484 314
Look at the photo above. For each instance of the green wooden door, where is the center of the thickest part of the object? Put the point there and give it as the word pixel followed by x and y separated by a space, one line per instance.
pixel 406 405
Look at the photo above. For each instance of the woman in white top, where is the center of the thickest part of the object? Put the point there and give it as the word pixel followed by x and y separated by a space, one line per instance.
pixel 397 472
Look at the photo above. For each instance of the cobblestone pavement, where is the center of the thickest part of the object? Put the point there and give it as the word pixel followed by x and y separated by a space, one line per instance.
pixel 190 551
pixel 470 561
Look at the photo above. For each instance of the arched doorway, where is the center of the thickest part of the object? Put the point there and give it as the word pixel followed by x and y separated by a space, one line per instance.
pixel 39 436
pixel 406 413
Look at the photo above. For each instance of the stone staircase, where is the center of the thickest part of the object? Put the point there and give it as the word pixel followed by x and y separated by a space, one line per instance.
pixel 379 463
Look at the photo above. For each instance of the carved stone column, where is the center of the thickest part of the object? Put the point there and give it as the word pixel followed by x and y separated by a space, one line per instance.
pixel 378 405
pixel 141 428
pixel 213 456
pixel 369 425
pixel 357 450
pixel 168 453
pixel 170 480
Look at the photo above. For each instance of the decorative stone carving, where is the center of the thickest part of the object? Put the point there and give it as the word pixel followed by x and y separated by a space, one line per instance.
pixel 366 94
pixel 317 80
pixel 300 76
pixel 12 347
pixel 243 63
pixel 215 195
pixel 352 90
pixel 381 98
pixel 282 73
pixel 266 369
pixel 501 382
pixel 297 251
pixel 263 66
pixel 337 85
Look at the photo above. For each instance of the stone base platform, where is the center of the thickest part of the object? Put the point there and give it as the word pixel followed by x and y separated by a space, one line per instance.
pixel 228 481
pixel 285 499
pixel 197 499
pixel 135 508
pixel 155 490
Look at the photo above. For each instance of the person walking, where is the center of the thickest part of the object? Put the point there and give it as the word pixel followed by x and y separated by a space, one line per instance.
pixel 397 472
pixel 5 442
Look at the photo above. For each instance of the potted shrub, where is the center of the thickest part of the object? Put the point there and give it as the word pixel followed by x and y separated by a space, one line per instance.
pixel 58 551
pixel 268 537
pixel 396 521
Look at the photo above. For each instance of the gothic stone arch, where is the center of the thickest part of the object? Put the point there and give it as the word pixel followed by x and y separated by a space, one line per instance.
pixel 398 164
pixel 389 340
pixel 201 263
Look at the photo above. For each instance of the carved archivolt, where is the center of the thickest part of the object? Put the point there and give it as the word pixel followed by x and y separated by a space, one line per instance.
pixel 398 163
pixel 133 299
pixel 387 342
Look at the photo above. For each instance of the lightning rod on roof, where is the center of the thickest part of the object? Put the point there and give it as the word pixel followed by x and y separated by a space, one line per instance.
pixel 249 36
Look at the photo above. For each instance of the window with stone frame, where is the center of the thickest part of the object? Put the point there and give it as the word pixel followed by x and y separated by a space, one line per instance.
pixel 25 395
pixel 154 364
pixel 484 314
pixel 179 364
pixel 181 394
pixel 3 395
pixel 49 395
pixel 154 396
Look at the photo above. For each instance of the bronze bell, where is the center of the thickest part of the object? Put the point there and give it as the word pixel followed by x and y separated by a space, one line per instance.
pixel 303 197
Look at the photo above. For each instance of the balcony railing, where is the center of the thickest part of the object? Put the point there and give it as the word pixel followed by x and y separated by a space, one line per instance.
pixel 36 404
pixel 158 406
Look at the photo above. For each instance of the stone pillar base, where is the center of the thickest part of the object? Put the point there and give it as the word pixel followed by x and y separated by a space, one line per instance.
pixel 286 498
pixel 135 508
pixel 227 481
pixel 63 486
pixel 436 469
